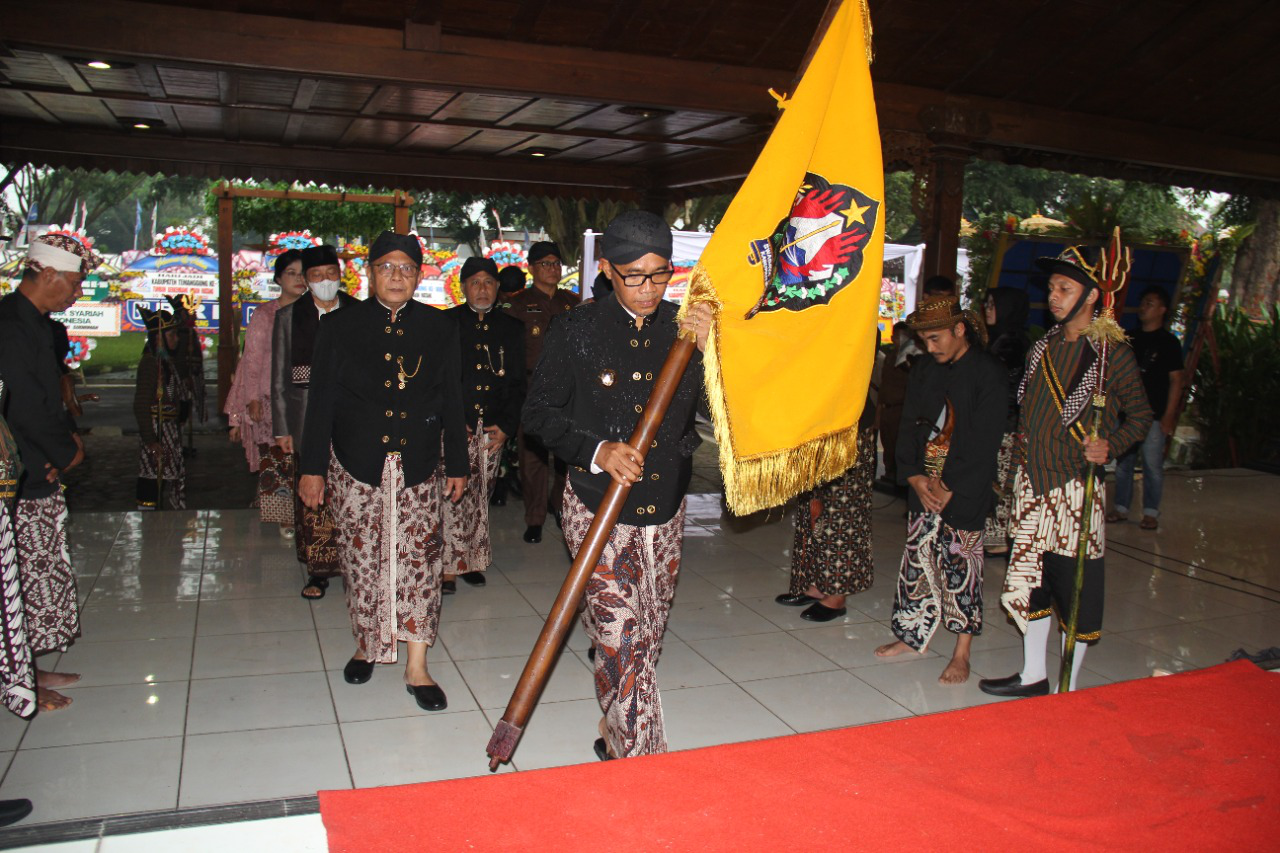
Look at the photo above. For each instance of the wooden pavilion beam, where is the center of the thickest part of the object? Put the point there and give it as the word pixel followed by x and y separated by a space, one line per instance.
pixel 186 35
pixel 24 141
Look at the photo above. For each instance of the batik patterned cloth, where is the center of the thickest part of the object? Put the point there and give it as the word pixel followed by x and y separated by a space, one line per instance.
pixel 44 566
pixel 939 581
pixel 1007 460
pixel 466 523
pixel 628 600
pixel 315 536
pixel 173 475
pixel 832 548
pixel 1048 522
pixel 17 674
pixel 391 554
pixel 275 485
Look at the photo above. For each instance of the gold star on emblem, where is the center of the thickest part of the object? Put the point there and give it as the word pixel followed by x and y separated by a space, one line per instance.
pixel 855 214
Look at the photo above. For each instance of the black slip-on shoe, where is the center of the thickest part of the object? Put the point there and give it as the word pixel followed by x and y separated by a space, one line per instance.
pixel 357 671
pixel 819 612
pixel 798 599
pixel 473 578
pixel 533 534
pixel 1013 686
pixel 428 696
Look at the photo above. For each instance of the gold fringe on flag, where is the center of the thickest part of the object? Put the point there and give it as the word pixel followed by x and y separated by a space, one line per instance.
pixel 758 482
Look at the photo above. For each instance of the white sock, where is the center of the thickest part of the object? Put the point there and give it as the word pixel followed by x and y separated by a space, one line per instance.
pixel 1077 661
pixel 1035 645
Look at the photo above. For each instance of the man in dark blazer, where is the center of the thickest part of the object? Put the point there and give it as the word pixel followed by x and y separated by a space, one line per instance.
pixel 386 386
pixel 293 342
pixel 493 383
pixel 592 382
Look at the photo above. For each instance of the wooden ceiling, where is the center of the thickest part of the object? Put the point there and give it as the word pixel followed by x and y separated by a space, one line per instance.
pixel 645 99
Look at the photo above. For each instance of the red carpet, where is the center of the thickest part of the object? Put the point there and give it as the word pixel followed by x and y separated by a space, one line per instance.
pixel 1184 762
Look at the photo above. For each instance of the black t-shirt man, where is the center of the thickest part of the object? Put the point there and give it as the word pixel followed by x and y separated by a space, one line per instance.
pixel 1159 354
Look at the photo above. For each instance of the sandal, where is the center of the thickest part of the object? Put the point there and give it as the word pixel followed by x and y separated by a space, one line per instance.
pixel 316 583
pixel 1149 522
pixel 1114 517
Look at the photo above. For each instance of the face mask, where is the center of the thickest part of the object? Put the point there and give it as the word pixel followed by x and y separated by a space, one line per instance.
pixel 325 291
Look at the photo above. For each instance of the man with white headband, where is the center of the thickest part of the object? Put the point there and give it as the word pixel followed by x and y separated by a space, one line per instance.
pixel 56 264
pixel 293 346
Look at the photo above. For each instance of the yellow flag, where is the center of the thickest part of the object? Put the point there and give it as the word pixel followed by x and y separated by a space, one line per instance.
pixel 793 272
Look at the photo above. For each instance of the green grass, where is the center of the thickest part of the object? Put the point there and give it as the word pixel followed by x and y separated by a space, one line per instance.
pixel 114 354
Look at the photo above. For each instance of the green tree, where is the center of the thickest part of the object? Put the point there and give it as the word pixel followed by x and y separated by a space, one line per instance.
pixel 255 219
pixel 470 218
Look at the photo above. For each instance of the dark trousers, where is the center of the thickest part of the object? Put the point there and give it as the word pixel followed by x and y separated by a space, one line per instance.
pixel 536 471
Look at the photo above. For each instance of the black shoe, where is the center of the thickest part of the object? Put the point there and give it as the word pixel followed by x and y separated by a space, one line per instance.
pixel 314 582
pixel 428 696
pixel 602 750
pixel 357 671
pixel 533 534
pixel 1013 686
pixel 819 612
pixel 559 519
pixel 448 587
pixel 498 500
pixel 12 811
pixel 591 654
pixel 473 578
pixel 797 600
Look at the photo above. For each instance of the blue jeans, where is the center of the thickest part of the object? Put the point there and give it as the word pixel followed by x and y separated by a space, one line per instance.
pixel 1152 449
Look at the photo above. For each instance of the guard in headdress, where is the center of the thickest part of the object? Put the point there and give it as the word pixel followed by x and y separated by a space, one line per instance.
pixel 54 268
pixel 293 343
pixel 590 387
pixel 536 307
pixel 952 422
pixel 386 393
pixel 493 383
pixel 189 354
pixel 1081 365
pixel 161 404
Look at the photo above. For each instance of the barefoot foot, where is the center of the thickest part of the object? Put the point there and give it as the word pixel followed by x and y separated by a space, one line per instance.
pixel 56 679
pixel 51 700
pixel 889 650
pixel 957 672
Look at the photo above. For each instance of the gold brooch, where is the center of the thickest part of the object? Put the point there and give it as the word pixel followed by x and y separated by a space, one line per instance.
pixel 535 331
pixel 607 377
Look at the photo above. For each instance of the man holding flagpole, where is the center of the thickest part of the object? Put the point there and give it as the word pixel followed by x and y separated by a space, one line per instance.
pixel 592 381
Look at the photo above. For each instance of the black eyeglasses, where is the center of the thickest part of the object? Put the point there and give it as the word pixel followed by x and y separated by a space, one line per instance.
pixel 661 277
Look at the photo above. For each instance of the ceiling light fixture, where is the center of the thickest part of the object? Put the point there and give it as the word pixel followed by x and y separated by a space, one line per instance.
pixel 139 123
pixel 646 112
pixel 537 151
pixel 99 64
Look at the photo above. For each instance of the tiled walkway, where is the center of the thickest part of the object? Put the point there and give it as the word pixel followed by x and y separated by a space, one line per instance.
pixel 207 680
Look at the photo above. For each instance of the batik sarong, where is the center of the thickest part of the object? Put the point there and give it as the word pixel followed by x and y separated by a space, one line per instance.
pixel 315 538
pixel 170 479
pixel 628 600
pixel 466 523
pixel 389 539
pixel 17 674
pixel 275 485
pixel 832 547
pixel 1045 523
pixel 1007 460
pixel 939 581
pixel 44 567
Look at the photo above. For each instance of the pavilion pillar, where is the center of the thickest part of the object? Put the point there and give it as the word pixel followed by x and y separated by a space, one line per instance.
pixel 402 205
pixel 228 316
pixel 951 132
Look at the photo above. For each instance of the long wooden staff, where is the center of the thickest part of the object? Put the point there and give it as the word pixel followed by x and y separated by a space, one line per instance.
pixel 160 430
pixel 1086 524
pixel 536 671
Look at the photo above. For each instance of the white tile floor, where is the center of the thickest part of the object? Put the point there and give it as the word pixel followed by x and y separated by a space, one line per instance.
pixel 207 680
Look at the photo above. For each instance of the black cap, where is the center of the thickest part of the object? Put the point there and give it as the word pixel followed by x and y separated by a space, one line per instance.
pixel 636 233
pixel 542 249
pixel 319 256
pixel 471 266
pixel 511 279
pixel 390 241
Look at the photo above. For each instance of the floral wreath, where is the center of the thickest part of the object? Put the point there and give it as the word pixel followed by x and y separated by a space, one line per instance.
pixel 278 244
pixel 181 240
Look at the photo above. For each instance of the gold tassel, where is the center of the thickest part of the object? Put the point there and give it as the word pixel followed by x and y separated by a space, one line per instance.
pixel 758 482
pixel 866 30
pixel 1105 328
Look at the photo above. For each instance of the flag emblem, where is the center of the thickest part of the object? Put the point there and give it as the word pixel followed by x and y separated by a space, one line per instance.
pixel 817 250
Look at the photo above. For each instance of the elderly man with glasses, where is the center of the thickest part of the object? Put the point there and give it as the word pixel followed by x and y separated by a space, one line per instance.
pixel 386 395
pixel 535 307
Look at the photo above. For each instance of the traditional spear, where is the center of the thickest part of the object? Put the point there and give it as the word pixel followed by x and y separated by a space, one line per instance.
pixel 1104 332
